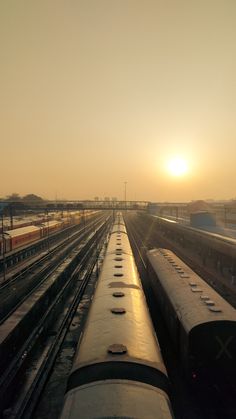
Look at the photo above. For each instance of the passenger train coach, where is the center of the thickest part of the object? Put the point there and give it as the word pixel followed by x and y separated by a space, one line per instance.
pixel 201 323
pixel 118 369
pixel 23 236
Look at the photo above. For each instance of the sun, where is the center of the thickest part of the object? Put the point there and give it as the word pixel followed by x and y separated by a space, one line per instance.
pixel 177 166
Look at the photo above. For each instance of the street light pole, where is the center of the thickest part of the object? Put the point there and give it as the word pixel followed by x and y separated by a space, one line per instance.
pixel 48 231
pixel 3 250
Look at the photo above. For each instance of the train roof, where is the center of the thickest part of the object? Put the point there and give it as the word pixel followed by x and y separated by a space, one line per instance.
pixel 119 314
pixel 51 223
pixel 116 399
pixel 218 234
pixel 194 301
pixel 21 231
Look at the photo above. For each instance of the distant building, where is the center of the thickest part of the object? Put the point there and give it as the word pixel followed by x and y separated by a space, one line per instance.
pixel 202 218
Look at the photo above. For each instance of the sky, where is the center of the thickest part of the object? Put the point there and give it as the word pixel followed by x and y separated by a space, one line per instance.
pixel 96 93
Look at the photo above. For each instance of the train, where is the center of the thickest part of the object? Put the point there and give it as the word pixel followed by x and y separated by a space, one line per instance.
pixel 213 237
pixel 23 236
pixel 200 322
pixel 118 370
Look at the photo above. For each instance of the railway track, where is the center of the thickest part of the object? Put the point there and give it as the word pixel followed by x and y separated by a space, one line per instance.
pixel 17 289
pixel 16 260
pixel 27 370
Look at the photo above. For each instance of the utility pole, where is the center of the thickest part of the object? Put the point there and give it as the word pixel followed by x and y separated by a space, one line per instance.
pixel 2 206
pixel 48 231
pixel 11 211
pixel 3 250
pixel 125 183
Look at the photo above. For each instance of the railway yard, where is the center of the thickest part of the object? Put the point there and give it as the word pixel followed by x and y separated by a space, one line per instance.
pixel 81 306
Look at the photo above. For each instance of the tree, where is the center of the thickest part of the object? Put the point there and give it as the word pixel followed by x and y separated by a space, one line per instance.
pixel 13 197
pixel 32 198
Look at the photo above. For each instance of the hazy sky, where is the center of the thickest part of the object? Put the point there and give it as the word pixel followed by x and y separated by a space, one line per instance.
pixel 98 92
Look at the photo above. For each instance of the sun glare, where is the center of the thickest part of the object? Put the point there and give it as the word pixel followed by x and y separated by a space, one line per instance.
pixel 177 166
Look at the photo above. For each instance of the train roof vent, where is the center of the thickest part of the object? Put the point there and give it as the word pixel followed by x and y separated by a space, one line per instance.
pixel 209 303
pixel 215 309
pixel 119 274
pixel 205 297
pixel 118 294
pixel 118 310
pixel 118 266
pixel 193 284
pixel 118 259
pixel 183 275
pixel 117 349
pixel 195 289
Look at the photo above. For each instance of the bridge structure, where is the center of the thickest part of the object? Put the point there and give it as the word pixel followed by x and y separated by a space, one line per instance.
pixel 106 205
pixel 15 206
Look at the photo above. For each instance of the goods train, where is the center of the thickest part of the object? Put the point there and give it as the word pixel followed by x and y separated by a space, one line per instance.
pixel 118 369
pixel 22 236
pixel 201 323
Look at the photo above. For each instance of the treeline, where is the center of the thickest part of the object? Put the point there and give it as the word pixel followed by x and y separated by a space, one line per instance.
pixel 29 198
